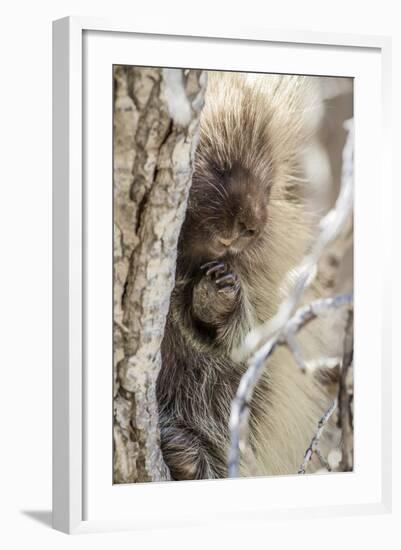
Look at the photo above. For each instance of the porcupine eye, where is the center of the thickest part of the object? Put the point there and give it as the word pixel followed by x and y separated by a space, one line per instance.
pixel 246 231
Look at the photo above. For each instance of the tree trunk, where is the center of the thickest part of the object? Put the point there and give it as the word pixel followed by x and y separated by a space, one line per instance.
pixel 156 119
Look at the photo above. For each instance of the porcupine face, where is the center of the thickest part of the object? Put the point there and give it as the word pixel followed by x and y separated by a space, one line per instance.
pixel 226 214
pixel 243 202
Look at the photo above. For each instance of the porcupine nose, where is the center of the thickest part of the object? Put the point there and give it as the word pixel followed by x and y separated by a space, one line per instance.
pixel 226 242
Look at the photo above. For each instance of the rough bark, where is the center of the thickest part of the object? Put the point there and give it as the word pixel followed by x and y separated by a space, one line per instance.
pixel 156 117
pixel 346 398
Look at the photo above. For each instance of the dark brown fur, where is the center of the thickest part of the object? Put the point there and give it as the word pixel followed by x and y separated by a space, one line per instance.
pixel 245 222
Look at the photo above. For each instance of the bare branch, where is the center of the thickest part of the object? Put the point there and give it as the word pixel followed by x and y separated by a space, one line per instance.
pixel 313 447
pixel 240 404
pixel 303 316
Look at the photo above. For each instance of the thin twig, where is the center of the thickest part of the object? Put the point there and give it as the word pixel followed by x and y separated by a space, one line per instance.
pixel 313 447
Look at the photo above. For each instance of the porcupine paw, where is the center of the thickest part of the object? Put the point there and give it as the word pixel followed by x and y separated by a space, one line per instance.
pixel 215 295
pixel 219 272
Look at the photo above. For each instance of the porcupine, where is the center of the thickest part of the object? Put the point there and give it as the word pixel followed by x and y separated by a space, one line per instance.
pixel 245 229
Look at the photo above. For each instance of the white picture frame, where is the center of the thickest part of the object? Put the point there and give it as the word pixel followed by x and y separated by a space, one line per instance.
pixel 81 484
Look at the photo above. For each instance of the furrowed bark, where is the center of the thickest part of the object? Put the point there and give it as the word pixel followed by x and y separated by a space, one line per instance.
pixel 156 118
pixel 345 398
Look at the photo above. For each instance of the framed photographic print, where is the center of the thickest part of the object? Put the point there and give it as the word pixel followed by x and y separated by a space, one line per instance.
pixel 219 343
